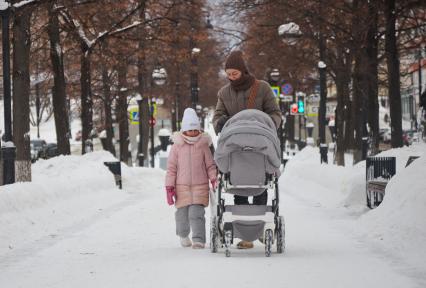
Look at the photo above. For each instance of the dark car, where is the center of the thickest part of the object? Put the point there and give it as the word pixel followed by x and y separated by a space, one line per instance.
pixel 38 148
pixel 50 151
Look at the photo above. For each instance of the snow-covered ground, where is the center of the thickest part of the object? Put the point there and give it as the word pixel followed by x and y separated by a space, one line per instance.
pixel 71 227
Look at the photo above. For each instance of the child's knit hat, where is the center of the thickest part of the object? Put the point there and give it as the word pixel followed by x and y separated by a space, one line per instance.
pixel 190 120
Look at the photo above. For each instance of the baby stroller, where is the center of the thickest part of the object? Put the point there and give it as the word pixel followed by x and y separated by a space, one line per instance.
pixel 248 158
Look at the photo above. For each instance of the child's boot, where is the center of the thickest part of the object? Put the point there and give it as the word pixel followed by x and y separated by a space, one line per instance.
pixel 185 242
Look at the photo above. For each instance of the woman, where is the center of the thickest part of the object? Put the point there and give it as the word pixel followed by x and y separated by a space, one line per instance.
pixel 244 91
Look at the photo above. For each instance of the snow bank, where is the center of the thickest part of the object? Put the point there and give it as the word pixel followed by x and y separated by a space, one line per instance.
pixel 64 191
pixel 335 186
pixel 402 154
pixel 398 224
pixel 400 220
pixel 355 188
pixel 329 185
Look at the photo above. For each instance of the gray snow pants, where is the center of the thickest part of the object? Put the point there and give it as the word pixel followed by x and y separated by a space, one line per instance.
pixel 189 218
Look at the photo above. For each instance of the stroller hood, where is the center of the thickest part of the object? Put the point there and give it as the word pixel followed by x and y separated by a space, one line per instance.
pixel 252 130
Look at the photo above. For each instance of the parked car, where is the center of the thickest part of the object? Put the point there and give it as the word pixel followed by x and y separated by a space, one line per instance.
pixel 50 151
pixel 38 148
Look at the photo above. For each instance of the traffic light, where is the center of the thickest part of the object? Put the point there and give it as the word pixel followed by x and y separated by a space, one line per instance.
pixel 301 104
pixel 294 109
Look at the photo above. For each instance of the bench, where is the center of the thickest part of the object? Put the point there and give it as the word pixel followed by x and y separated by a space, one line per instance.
pixel 379 170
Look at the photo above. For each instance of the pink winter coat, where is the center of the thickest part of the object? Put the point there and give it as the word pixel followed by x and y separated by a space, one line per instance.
pixel 189 168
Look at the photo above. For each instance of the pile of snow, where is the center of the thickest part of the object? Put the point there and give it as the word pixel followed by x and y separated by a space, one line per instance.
pixel 400 220
pixel 327 184
pixel 398 224
pixel 64 191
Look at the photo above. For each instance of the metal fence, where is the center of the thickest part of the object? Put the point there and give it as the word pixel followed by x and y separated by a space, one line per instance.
pixel 378 172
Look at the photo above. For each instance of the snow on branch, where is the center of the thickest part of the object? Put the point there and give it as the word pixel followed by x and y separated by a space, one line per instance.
pixel 78 29
pixel 23 3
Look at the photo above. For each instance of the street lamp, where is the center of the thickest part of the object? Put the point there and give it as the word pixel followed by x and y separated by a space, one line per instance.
pixel 194 74
pixel 275 75
pixel 141 157
pixel 274 78
pixel 8 148
pixel 290 33
pixel 159 77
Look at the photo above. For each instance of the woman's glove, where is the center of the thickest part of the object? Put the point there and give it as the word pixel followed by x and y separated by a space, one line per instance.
pixel 220 123
pixel 171 195
pixel 214 183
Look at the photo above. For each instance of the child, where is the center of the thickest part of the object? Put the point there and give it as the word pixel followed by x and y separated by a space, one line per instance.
pixel 189 167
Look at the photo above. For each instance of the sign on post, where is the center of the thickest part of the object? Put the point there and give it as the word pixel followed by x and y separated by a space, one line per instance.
pixel 152 121
pixel 134 115
pixel 276 90
pixel 287 89
pixel 287 98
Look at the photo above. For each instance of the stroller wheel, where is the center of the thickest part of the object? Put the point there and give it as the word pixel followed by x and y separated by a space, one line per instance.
pixel 228 239
pixel 280 234
pixel 268 242
pixel 214 239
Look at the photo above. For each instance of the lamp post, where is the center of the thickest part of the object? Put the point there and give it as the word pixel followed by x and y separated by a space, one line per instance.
pixel 159 77
pixel 141 156
pixel 194 74
pixel 322 107
pixel 8 148
pixel 290 34
pixel 274 78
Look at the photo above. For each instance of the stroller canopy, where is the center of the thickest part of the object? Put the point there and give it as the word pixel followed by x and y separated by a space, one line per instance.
pixel 249 130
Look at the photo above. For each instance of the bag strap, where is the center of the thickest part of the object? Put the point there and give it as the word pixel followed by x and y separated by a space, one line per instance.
pixel 253 93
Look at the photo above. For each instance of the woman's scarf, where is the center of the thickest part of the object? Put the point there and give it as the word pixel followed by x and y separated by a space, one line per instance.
pixel 243 83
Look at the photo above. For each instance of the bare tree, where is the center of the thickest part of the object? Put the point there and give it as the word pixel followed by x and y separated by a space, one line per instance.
pixel 392 59
pixel 59 96
pixel 21 92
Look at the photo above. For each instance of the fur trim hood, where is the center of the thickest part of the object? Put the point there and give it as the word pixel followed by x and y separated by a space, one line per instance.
pixel 205 138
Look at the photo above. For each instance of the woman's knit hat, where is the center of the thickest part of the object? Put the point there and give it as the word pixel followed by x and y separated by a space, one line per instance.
pixel 235 61
pixel 190 120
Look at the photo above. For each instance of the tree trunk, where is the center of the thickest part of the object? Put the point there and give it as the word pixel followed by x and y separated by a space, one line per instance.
pixel 21 93
pixel 108 113
pixel 392 59
pixel 122 116
pixel 360 107
pixel 373 63
pixel 58 91
pixel 86 99
pixel 359 82
pixel 342 89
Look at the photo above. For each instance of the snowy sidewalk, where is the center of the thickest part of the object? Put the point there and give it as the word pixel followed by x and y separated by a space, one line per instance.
pixel 132 244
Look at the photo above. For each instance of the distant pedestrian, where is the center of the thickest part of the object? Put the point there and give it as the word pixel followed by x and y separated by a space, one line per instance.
pixel 190 166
